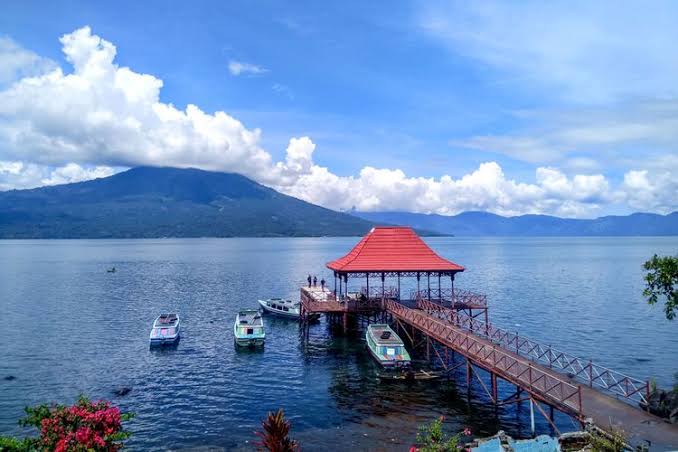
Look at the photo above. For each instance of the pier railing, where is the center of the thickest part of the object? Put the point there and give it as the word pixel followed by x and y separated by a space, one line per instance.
pixel 583 370
pixel 317 301
pixel 520 371
pixel 378 293
pixel 459 297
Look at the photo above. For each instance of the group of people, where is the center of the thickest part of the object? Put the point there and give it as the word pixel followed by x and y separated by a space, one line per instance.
pixel 314 280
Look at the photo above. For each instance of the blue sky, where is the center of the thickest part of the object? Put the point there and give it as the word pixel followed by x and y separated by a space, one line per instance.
pixel 561 108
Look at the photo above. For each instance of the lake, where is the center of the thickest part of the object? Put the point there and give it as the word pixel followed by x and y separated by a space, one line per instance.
pixel 69 327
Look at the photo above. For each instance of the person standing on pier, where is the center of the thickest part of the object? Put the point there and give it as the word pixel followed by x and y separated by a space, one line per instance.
pixel 309 280
pixel 322 284
pixel 315 281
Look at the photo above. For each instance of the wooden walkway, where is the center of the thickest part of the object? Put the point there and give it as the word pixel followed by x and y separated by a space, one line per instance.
pixel 542 383
pixel 580 389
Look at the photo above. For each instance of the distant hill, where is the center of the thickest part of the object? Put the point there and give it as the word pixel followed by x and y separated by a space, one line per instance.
pixel 482 223
pixel 166 202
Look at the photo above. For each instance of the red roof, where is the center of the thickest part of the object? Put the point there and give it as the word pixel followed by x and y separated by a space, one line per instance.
pixel 391 249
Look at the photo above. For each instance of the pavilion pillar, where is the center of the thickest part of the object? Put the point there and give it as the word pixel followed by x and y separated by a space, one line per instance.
pixel 335 284
pixel 452 287
pixel 418 278
pixel 398 286
pixel 346 284
pixel 383 282
pixel 440 292
pixel 368 285
pixel 428 284
pixel 335 279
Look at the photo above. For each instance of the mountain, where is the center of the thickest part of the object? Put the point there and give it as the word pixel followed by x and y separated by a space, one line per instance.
pixel 166 202
pixel 483 223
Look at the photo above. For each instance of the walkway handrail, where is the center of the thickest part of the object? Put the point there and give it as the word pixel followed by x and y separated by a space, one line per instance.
pixel 458 296
pixel 583 370
pixel 539 382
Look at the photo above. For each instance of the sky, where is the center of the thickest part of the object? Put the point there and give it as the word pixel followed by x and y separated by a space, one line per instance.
pixel 560 108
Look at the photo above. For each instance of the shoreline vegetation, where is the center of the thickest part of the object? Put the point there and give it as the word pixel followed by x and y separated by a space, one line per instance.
pixel 84 426
pixel 98 426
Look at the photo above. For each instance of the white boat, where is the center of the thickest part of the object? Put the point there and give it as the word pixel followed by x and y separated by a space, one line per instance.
pixel 249 328
pixel 281 307
pixel 166 330
pixel 386 346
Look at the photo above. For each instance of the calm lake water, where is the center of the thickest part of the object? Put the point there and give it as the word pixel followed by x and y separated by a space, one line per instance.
pixel 69 327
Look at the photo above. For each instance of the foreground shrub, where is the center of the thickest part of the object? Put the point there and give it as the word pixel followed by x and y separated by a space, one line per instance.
pixel 275 437
pixel 432 439
pixel 85 426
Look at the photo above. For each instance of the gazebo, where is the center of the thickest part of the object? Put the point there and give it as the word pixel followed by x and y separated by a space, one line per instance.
pixel 394 252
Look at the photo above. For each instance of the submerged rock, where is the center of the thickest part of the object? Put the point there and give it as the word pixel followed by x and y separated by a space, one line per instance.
pixel 664 404
pixel 122 391
pixel 10 378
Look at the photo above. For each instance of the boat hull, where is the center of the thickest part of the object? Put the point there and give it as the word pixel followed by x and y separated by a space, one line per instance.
pixel 249 342
pixel 158 342
pixel 269 310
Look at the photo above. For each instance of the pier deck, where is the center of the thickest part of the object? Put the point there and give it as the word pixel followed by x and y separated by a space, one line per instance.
pixel 448 319
pixel 484 346
pixel 554 388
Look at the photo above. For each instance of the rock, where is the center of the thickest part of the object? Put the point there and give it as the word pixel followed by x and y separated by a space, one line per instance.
pixel 10 378
pixel 673 417
pixel 122 391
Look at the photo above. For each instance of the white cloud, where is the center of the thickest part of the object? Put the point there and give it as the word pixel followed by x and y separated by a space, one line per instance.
pixel 16 62
pixel 634 134
pixel 60 127
pixel 658 193
pixel 583 51
pixel 103 114
pixel 487 189
pixel 19 175
pixel 240 67
pixel 283 90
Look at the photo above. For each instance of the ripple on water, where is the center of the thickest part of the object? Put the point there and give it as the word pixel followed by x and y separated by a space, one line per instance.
pixel 69 327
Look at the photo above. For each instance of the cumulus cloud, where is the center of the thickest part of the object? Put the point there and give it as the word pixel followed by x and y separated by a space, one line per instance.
pixel 658 193
pixel 19 175
pixel 58 127
pixel 103 114
pixel 240 67
pixel 15 61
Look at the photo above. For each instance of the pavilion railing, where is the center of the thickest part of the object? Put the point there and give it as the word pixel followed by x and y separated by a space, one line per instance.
pixel 327 301
pixel 514 368
pixel 583 370
pixel 458 296
pixel 377 292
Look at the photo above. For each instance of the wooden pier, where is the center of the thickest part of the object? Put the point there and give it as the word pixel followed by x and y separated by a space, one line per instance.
pixel 457 321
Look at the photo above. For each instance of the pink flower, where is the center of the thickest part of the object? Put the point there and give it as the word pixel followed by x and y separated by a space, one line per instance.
pixel 467 431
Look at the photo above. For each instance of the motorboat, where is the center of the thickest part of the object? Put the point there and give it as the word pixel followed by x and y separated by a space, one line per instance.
pixel 281 307
pixel 249 328
pixel 166 330
pixel 386 346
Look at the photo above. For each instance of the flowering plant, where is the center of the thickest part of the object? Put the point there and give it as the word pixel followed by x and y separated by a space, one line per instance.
pixel 84 426
pixel 431 438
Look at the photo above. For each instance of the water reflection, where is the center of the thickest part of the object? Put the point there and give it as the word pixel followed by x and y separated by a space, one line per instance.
pixel 71 328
